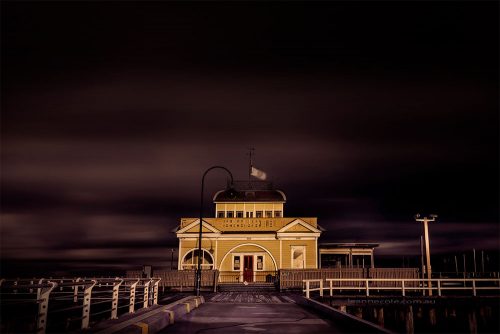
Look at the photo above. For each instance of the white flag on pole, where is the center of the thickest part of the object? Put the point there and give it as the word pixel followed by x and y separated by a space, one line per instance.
pixel 258 173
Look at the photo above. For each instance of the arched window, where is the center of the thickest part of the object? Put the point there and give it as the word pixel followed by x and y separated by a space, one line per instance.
pixel 298 257
pixel 190 261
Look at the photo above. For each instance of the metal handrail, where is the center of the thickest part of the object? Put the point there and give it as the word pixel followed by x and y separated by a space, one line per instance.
pixel 423 284
pixel 90 295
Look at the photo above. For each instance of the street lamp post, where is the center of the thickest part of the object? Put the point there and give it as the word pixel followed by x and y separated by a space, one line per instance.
pixel 426 220
pixel 200 254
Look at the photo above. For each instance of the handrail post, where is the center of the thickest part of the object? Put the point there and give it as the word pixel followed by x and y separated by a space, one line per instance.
pixel 367 288
pixel 87 292
pixel 331 288
pixel 43 306
pixel 474 287
pixel 146 294
pixel 403 287
pixel 75 290
pixel 131 305
pixel 114 303
pixel 439 287
pixel 321 288
pixel 155 291
pixel 307 289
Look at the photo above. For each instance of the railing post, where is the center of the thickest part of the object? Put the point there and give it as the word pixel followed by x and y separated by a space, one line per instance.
pixel 321 288
pixel 403 287
pixel 155 291
pixel 439 287
pixel 146 294
pixel 367 288
pixel 87 292
pixel 474 287
pixel 331 288
pixel 131 305
pixel 43 306
pixel 114 303
pixel 75 291
pixel 307 289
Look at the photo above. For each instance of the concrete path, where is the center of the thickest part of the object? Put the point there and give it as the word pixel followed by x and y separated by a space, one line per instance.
pixel 236 312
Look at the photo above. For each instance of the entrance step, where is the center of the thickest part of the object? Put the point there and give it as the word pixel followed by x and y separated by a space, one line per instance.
pixel 250 287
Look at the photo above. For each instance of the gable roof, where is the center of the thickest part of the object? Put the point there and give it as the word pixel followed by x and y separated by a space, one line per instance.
pixel 303 227
pixel 196 226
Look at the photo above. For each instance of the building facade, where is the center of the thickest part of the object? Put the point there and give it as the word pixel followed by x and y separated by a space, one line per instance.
pixel 249 234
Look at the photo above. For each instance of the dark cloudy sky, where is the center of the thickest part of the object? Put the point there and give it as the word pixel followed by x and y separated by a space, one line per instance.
pixel 364 113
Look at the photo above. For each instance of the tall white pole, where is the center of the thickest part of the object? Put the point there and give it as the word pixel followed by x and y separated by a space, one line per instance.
pixel 428 268
pixel 428 255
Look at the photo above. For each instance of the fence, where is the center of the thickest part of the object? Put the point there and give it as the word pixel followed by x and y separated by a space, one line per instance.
pixel 293 278
pixel 256 277
pixel 370 285
pixel 62 305
pixel 182 280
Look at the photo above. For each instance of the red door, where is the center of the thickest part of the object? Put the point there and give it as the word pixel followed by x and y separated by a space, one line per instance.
pixel 248 268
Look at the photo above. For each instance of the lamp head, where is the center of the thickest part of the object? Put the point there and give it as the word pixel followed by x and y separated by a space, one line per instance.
pixel 417 216
pixel 433 216
pixel 231 192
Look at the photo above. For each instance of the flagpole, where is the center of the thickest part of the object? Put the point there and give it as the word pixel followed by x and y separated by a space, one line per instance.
pixel 250 163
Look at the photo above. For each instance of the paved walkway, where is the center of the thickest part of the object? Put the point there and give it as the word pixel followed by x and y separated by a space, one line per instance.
pixel 237 312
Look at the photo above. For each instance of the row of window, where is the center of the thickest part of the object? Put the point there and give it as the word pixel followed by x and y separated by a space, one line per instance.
pixel 249 214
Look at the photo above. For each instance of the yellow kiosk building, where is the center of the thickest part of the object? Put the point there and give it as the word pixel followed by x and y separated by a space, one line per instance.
pixel 249 236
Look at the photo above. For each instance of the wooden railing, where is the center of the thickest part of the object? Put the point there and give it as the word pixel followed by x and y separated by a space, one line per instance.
pixel 293 278
pixel 287 278
pixel 182 279
pixel 257 277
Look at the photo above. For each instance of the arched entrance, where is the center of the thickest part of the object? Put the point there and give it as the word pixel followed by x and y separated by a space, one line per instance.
pixel 248 262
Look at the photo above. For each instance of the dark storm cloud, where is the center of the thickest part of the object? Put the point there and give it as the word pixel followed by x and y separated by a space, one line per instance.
pixel 364 114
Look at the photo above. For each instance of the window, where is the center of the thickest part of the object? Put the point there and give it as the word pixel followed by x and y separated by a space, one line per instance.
pixel 269 214
pixel 236 263
pixel 230 214
pixel 249 214
pixel 190 261
pixel 220 214
pixel 277 213
pixel 298 257
pixel 260 262
pixel 258 214
pixel 239 214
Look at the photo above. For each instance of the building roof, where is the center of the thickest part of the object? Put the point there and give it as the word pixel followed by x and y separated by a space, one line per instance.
pixel 231 195
pixel 250 191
